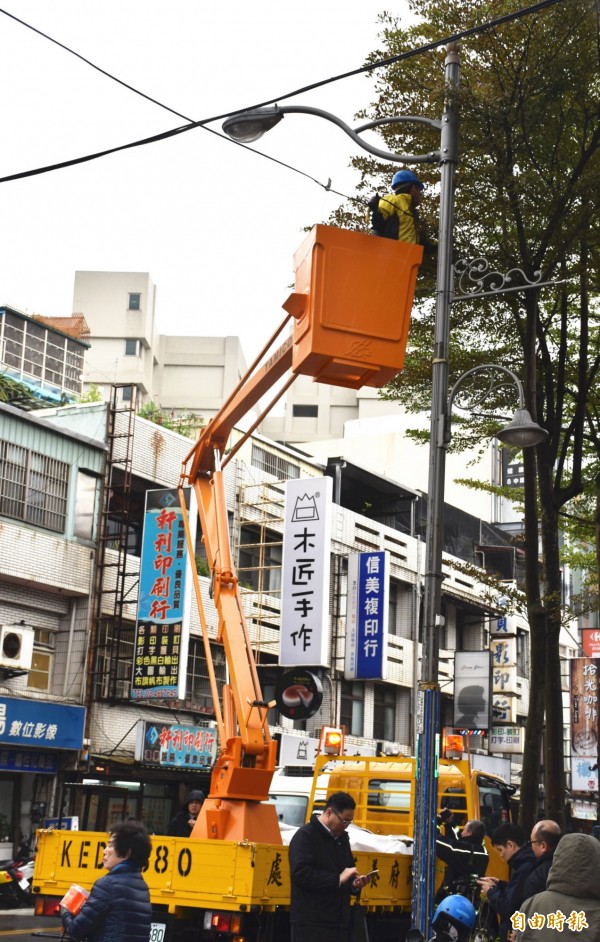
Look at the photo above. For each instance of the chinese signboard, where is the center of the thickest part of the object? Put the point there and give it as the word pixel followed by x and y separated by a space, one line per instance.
pixel 22 760
pixel 471 690
pixel 503 655
pixel 297 750
pixel 38 723
pixel 162 631
pixel 507 739
pixel 173 745
pixel 305 627
pixel 367 618
pixel 584 810
pixel 584 774
pixel 503 652
pixel 302 751
pixel 584 724
pixel 504 708
pixel 590 642
pixel 505 625
pixel 503 658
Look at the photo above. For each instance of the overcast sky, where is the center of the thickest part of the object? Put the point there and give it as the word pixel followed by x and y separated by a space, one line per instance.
pixel 214 225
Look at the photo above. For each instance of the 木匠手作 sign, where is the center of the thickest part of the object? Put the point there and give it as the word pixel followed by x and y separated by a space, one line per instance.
pixel 305 626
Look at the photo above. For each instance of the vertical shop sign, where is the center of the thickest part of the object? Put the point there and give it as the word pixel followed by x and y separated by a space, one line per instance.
pixel 367 616
pixel 472 690
pixel 305 627
pixel 163 618
pixel 584 724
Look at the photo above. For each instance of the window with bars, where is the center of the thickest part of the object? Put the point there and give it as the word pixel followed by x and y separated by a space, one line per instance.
pixel 260 559
pixel 114 661
pixel 274 464
pixel 384 716
pixel 39 677
pixel 114 667
pixel 352 707
pixel 40 352
pixel 33 487
pixel 198 694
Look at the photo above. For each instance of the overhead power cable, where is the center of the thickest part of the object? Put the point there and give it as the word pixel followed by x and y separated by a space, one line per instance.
pixel 191 125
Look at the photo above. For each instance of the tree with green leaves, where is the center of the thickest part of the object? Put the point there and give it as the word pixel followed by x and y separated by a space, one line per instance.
pixel 527 195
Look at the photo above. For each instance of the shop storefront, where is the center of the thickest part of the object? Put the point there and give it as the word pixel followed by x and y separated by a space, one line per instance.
pixel 38 742
pixel 169 760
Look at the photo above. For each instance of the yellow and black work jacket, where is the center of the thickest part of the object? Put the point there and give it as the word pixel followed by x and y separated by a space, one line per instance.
pixel 401 205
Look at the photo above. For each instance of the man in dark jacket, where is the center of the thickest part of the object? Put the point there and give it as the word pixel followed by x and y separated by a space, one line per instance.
pixel 544 841
pixel 505 898
pixel 183 822
pixel 464 854
pixel 118 908
pixel 323 874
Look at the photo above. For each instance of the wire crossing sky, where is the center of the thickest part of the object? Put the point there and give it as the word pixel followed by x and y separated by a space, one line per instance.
pixel 215 226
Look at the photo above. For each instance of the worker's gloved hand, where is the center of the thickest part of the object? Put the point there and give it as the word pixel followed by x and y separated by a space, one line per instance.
pixel 373 201
pixel 445 816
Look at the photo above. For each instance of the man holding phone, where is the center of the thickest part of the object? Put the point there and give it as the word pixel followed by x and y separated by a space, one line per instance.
pixel 323 874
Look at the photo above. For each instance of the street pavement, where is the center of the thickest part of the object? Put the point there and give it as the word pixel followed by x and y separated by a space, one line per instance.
pixel 21 925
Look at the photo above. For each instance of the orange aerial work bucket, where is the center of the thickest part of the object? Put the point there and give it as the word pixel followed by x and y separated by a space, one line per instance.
pixel 352 303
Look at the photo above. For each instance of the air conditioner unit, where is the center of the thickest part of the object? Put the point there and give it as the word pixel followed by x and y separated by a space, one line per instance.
pixel 16 647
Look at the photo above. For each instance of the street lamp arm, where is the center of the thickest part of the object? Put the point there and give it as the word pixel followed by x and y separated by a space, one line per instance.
pixel 487 367
pixel 417 119
pixel 262 119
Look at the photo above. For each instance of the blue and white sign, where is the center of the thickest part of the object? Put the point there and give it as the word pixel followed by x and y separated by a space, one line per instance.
pixel 367 616
pixel 65 824
pixel 41 724
pixel 28 760
pixel 163 617
pixel 191 747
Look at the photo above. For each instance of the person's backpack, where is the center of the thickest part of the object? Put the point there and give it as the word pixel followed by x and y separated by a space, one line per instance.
pixel 386 228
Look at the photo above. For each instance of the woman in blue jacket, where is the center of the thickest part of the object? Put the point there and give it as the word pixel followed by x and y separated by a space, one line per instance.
pixel 118 908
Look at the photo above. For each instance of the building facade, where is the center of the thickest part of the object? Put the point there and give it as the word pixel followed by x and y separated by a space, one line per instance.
pixel 178 375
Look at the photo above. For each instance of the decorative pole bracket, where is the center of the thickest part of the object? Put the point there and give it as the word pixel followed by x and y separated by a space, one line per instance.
pixel 477 279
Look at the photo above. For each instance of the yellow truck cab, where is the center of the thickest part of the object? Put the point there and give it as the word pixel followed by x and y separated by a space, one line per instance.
pixel 384 791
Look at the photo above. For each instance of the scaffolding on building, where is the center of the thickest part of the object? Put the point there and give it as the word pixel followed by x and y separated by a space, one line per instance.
pixel 115 586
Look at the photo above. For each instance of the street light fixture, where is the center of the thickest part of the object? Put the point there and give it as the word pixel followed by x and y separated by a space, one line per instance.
pixel 250 125
pixel 522 431
pixel 245 127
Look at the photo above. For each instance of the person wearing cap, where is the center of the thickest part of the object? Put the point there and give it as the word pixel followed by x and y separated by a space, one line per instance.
pixel 183 822
pixel 395 216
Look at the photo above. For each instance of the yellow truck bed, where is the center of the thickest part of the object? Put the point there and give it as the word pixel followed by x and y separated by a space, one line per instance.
pixel 207 874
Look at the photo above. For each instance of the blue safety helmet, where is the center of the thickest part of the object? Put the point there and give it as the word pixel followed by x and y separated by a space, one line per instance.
pixel 456 910
pixel 402 177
